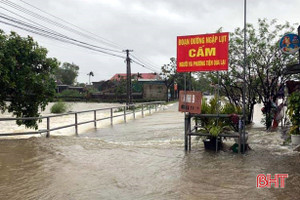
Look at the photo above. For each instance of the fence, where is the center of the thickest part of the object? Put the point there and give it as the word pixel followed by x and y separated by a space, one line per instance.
pixel 126 110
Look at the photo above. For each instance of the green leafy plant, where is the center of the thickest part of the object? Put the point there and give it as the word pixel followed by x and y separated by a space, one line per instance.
pixel 26 77
pixel 70 93
pixel 294 112
pixel 59 107
pixel 67 73
pixel 215 129
pixel 215 126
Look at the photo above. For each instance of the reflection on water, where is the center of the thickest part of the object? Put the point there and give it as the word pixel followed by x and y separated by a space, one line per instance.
pixel 142 160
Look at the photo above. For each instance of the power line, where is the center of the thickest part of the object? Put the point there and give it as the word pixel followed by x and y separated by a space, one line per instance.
pixel 147 65
pixel 108 41
pixel 58 39
pixel 44 31
pixel 146 61
pixel 141 63
pixel 105 40
pixel 47 20
pixel 47 30
pixel 144 66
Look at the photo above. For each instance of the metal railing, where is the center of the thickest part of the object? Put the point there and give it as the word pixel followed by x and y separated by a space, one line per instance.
pixel 189 132
pixel 126 110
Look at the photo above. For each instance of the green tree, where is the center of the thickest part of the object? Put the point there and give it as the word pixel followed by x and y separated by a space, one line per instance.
pixel 119 87
pixel 67 73
pixel 26 77
pixel 203 83
pixel 90 74
pixel 171 77
pixel 199 81
pixel 264 69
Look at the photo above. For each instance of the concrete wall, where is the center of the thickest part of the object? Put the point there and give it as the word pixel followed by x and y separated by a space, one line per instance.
pixel 155 91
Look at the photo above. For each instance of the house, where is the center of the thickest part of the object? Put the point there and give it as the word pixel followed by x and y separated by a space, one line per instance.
pixel 137 76
pixel 154 90
pixel 145 86
pixel 61 88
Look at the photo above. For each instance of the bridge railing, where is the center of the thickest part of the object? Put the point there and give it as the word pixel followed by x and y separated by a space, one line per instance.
pixel 124 110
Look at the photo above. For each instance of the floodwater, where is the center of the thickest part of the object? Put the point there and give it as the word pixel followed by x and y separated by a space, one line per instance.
pixel 143 159
pixel 11 127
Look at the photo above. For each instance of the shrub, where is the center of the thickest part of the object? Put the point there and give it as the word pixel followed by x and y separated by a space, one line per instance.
pixel 59 107
pixel 294 112
pixel 70 93
pixel 214 126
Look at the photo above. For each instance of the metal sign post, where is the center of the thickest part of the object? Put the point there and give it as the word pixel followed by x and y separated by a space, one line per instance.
pixel 206 52
pixel 185 118
pixel 244 78
pixel 218 95
pixel 299 36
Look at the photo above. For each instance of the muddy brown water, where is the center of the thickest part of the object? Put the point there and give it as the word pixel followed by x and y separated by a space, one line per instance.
pixel 143 159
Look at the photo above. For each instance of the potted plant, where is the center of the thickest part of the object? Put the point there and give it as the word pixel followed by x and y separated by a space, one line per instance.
pixel 215 126
pixel 294 115
pixel 212 142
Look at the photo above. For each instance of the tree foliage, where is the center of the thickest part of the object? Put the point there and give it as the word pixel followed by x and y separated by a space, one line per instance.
pixel 203 83
pixel 264 65
pixel 171 77
pixel 67 73
pixel 26 77
pixel 294 112
pixel 194 81
pixel 169 73
pixel 120 87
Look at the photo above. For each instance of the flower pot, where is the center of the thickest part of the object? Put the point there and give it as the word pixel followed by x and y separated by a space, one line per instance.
pixel 295 139
pixel 210 144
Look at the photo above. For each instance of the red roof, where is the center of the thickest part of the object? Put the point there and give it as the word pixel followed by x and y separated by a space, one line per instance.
pixel 152 76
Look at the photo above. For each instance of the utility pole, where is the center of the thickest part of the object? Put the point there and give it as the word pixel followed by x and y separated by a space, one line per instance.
pixel 299 36
pixel 128 79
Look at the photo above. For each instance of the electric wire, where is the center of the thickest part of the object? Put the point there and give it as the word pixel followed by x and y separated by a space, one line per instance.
pixel 46 29
pixel 47 20
pixel 146 61
pixel 145 65
pixel 105 40
pixel 49 33
pixel 58 39
pixel 102 39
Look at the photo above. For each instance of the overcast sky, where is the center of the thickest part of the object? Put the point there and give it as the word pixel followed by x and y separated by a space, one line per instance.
pixel 148 27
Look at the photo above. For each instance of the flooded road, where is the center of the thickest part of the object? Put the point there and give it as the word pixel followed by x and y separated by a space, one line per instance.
pixel 143 159
pixel 11 127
